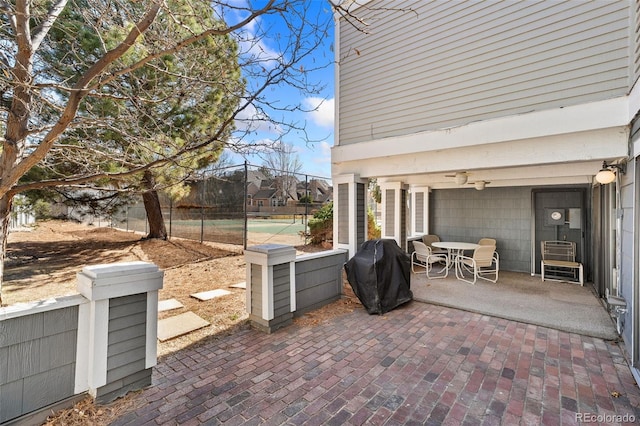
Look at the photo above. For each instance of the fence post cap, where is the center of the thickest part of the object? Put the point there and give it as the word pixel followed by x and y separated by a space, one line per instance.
pixel 270 254
pixel 112 270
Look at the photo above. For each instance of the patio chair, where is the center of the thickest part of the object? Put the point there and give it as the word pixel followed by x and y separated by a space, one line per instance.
pixel 429 239
pixel 424 257
pixel 559 260
pixel 488 242
pixel 484 264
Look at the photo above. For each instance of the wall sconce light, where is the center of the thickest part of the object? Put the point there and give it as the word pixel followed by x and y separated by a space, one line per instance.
pixel 607 175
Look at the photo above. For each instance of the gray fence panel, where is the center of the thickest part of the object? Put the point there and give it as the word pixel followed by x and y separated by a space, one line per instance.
pixel 37 360
pixel 318 280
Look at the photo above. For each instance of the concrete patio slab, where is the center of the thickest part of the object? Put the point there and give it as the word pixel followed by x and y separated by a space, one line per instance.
pixel 168 305
pixel 179 325
pixel 522 297
pixel 239 285
pixel 211 294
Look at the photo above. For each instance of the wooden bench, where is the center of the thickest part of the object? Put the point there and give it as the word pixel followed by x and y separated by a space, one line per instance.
pixel 560 258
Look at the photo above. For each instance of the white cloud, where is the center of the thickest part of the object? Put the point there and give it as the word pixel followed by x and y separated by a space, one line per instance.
pixel 322 111
pixel 324 154
pixel 252 120
pixel 255 50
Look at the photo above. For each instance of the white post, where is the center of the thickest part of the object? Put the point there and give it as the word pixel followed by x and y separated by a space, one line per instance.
pixel 419 210
pixel 262 285
pixel 99 284
pixel 393 211
pixel 349 212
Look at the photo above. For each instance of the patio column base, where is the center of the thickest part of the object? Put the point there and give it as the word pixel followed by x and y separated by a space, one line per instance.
pixel 269 326
pixel 271 291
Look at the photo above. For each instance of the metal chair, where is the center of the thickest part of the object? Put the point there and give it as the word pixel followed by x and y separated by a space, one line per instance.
pixel 488 242
pixel 484 264
pixel 424 257
pixel 429 239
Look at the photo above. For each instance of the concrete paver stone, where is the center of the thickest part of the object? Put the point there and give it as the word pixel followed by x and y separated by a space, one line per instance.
pixel 211 294
pixel 179 325
pixel 243 284
pixel 168 305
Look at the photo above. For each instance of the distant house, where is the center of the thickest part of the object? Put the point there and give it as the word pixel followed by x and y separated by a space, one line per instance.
pixel 228 190
pixel 318 190
pixel 265 197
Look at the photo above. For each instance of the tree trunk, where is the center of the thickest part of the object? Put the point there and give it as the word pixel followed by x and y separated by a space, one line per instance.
pixel 5 216
pixel 153 209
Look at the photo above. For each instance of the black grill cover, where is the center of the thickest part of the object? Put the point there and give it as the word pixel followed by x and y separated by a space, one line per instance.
pixel 380 275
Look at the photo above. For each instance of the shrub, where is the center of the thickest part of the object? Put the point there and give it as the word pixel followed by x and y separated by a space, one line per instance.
pixel 373 230
pixel 42 209
pixel 321 225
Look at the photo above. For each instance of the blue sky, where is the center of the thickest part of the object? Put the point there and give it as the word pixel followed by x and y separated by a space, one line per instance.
pixel 318 114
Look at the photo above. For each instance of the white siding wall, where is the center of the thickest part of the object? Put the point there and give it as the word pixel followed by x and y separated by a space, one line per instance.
pixel 428 65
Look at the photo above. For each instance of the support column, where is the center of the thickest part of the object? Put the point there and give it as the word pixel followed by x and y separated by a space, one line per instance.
pixel 271 290
pixel 120 319
pixel 419 210
pixel 349 212
pixel 394 212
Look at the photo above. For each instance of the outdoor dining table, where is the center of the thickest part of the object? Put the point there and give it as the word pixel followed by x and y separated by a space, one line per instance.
pixel 454 249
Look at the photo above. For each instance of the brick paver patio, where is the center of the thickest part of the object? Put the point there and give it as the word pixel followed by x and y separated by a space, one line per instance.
pixel 419 364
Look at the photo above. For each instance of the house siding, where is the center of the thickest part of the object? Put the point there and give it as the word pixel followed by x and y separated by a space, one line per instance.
pixel 318 280
pixel 500 213
pixel 636 42
pixel 444 64
pixel 390 209
pixel 419 212
pixel 281 289
pixel 403 219
pixel 256 290
pixel 126 347
pixel 37 360
pixel 361 224
pixel 343 214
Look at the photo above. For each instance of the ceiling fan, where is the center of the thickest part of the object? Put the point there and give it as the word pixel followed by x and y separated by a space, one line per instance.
pixel 461 177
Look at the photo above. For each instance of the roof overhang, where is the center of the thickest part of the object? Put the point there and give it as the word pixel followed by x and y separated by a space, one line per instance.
pixel 560 146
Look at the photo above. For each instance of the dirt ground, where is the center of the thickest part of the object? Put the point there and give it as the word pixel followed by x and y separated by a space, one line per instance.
pixel 42 262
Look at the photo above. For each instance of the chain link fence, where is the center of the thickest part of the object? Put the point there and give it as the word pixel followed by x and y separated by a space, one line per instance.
pixel 240 205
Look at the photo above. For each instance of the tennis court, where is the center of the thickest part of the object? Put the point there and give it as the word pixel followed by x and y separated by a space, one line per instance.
pixel 263 230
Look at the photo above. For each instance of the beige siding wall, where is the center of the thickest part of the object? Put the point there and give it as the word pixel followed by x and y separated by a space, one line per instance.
pixel 635 22
pixel 428 65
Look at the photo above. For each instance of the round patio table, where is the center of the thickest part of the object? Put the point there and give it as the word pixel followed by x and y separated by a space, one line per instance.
pixel 454 249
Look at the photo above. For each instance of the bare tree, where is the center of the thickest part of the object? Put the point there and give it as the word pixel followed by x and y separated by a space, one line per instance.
pixel 282 164
pixel 64 121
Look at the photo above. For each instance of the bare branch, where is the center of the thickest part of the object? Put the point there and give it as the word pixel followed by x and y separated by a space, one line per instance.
pixel 79 91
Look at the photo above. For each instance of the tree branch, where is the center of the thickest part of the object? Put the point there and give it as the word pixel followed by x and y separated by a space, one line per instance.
pixel 40 32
